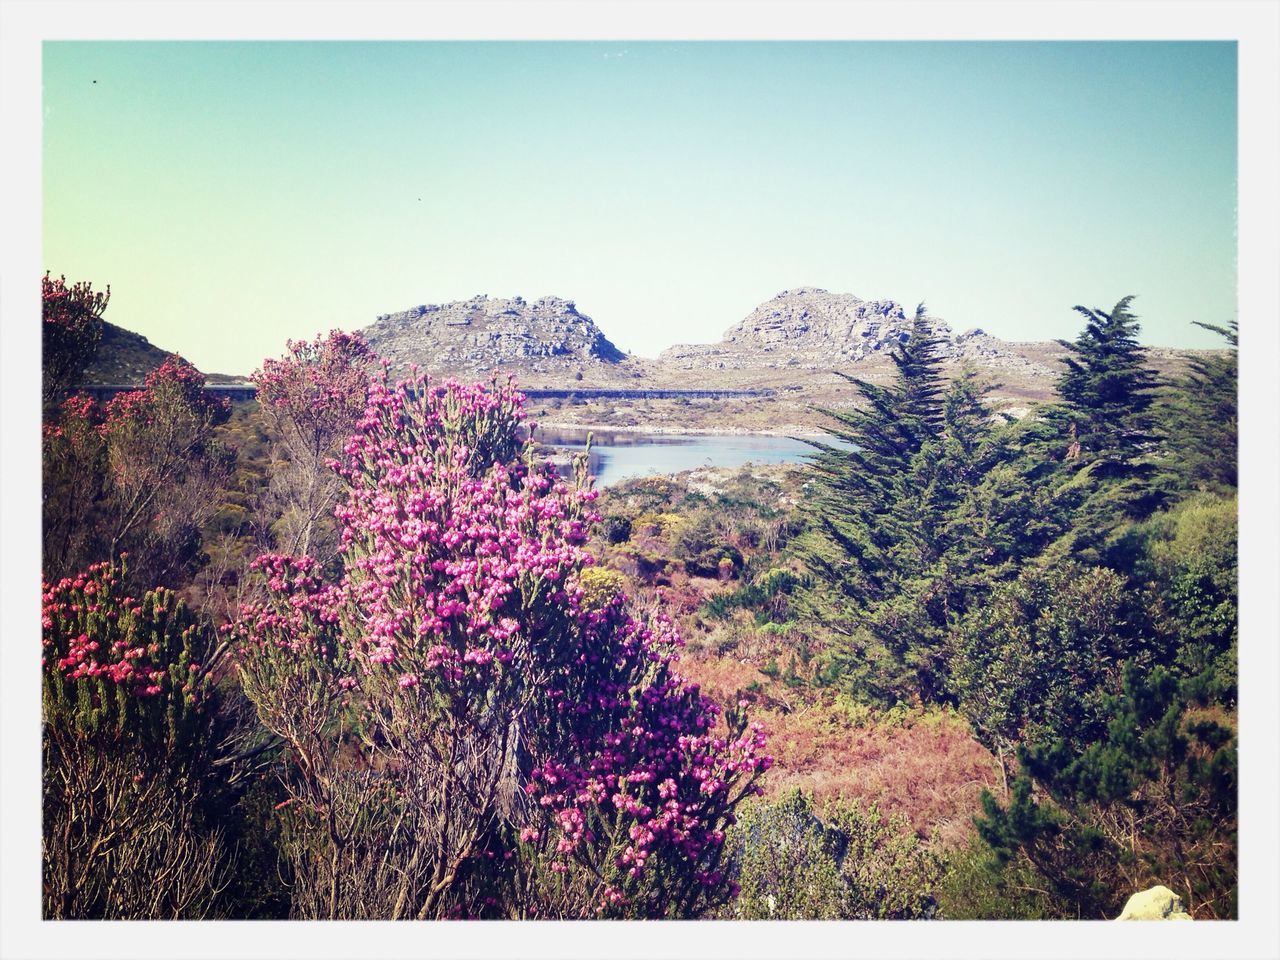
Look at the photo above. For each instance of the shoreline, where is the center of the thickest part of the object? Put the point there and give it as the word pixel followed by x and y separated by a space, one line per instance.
pixel 807 433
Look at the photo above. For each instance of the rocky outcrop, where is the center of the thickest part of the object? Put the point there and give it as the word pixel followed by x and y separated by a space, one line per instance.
pixel 480 335
pixel 809 328
pixel 1158 903
pixel 810 319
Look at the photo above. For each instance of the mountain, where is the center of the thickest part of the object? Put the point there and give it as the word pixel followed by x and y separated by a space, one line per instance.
pixel 548 338
pixel 813 329
pixel 125 357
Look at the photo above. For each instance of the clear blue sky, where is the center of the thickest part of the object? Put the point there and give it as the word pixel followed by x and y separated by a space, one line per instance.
pixel 236 194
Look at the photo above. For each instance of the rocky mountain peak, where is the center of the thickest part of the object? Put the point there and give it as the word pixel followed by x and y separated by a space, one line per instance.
pixel 815 329
pixel 810 316
pixel 475 336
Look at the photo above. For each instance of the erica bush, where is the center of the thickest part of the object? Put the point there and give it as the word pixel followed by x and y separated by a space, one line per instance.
pixel 129 752
pixel 310 400
pixel 478 726
pixel 141 474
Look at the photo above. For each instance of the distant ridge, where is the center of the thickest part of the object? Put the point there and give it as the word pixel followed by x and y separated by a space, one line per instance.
pixel 790 347
pixel 125 357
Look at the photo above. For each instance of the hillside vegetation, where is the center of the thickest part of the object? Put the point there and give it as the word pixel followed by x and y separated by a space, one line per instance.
pixel 351 650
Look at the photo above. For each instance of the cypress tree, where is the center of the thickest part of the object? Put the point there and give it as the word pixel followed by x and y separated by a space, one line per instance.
pixel 1109 434
pixel 1109 389
pixel 855 481
pixel 877 524
pixel 1201 415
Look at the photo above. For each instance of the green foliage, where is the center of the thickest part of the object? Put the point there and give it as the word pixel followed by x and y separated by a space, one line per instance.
pixel 1109 389
pixel 1200 416
pixel 856 864
pixel 701 544
pixel 1152 801
pixel 1022 571
pixel 850 542
pixel 1186 558
pixel 1113 434
pixel 1037 658
pixel 133 741
pixel 895 565
pixel 975 886
pixel 766 596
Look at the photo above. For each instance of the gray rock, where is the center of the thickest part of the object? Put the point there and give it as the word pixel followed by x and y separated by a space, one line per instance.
pixel 1157 903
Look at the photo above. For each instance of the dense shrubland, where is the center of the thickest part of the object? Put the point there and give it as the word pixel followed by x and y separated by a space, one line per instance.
pixel 456 714
pixel 353 651
pixel 1082 616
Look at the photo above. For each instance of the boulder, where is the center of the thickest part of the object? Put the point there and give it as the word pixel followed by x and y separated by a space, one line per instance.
pixel 1158 903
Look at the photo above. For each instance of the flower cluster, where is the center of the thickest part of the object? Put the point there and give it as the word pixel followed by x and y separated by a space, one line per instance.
pixel 319 386
pixel 463 607
pixel 73 306
pixel 134 664
pixel 176 382
pixel 301 625
pixel 78 415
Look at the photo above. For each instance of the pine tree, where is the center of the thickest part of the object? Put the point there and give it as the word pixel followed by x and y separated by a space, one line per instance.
pixel 1109 387
pixel 1153 801
pixel 855 481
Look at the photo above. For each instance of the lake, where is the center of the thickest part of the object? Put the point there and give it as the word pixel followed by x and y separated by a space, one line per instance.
pixel 622 456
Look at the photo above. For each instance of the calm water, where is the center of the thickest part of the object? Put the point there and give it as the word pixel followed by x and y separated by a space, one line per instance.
pixel 621 456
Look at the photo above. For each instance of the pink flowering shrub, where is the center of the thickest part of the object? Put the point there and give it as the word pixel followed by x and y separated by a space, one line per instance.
pixel 310 400
pixel 141 475
pixel 533 749
pixel 320 385
pixel 130 738
pixel 72 329
pixel 140 659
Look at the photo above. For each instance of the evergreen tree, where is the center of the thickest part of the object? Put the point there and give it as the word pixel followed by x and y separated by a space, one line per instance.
pixel 1200 417
pixel 1153 801
pixel 1109 434
pixel 1109 389
pixel 849 551
pixel 861 526
pixel 899 542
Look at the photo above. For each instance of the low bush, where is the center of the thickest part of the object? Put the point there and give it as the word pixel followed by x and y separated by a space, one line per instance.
pixel 853 863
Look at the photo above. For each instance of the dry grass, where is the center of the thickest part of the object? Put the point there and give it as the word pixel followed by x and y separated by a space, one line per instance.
pixel 925 765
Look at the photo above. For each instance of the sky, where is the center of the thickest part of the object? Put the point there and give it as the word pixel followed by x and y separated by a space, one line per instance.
pixel 235 195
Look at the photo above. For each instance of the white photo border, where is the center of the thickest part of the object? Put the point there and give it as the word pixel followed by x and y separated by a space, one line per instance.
pixel 26 24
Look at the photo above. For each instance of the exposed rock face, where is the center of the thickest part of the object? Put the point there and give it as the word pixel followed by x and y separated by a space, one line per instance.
pixel 811 319
pixel 1158 903
pixel 480 335
pixel 810 328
